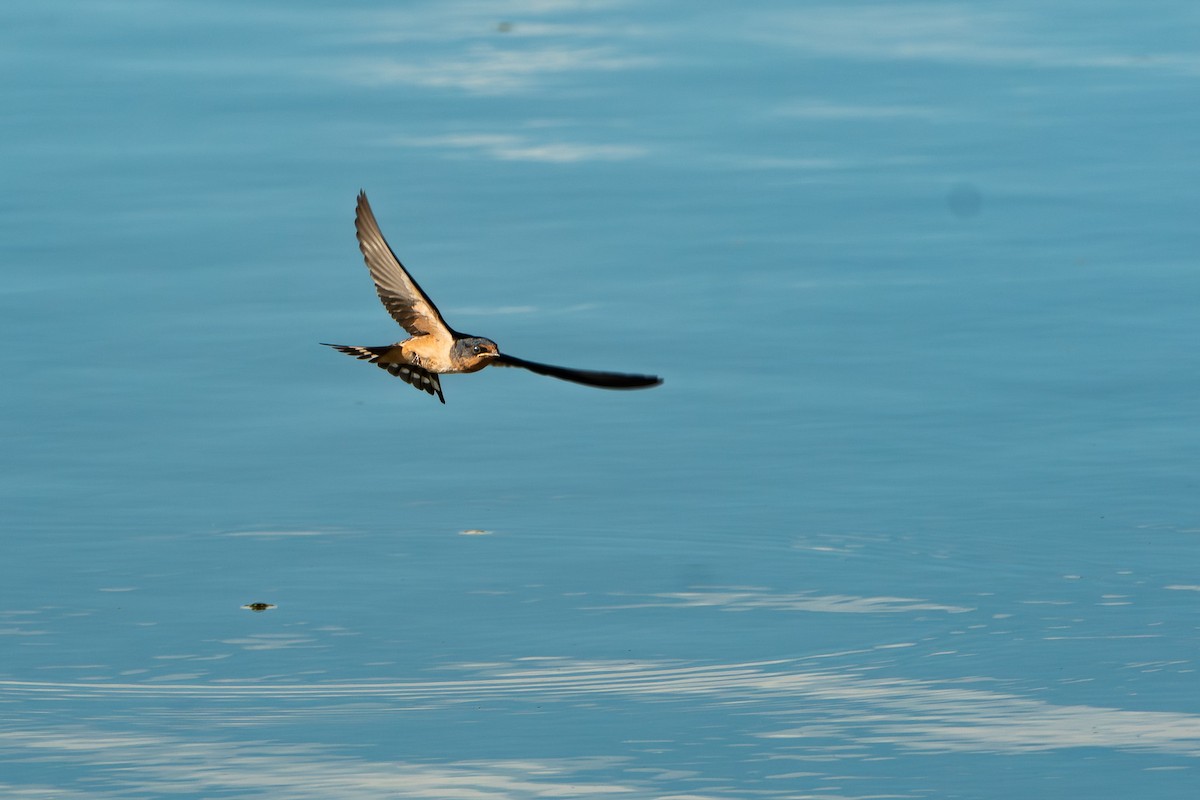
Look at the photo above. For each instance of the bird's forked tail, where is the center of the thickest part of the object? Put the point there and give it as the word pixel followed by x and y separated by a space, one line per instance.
pixel 411 374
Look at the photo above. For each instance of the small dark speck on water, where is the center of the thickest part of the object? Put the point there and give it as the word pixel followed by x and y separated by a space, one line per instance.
pixel 964 200
pixel 259 607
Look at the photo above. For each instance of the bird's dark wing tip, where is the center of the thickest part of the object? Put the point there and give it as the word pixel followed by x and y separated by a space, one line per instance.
pixel 622 381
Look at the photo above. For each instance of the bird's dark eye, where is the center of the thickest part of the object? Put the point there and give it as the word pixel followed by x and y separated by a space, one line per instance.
pixel 477 348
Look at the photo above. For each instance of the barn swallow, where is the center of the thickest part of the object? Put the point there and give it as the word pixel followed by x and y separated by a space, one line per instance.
pixel 434 348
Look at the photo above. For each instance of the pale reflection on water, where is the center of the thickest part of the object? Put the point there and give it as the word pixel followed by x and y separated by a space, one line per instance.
pixel 756 713
pixel 745 598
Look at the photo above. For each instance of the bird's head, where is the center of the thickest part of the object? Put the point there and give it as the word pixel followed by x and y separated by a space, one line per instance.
pixel 475 351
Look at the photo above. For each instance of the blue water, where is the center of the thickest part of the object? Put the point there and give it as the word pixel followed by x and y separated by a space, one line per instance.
pixel 914 514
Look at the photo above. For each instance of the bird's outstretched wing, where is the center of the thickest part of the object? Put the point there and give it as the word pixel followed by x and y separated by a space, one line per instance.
pixel 604 380
pixel 401 295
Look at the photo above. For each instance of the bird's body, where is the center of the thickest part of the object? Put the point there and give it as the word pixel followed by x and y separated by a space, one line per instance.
pixel 434 348
pixel 434 355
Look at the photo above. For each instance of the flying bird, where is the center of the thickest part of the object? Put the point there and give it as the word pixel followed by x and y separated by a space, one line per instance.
pixel 434 348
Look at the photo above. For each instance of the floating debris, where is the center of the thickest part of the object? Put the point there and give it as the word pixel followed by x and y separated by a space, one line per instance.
pixel 259 607
pixel 474 532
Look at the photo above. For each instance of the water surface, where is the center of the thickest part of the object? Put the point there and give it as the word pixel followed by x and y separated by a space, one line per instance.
pixel 912 516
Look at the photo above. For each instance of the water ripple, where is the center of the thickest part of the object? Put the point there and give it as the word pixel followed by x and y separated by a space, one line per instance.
pixel 905 713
